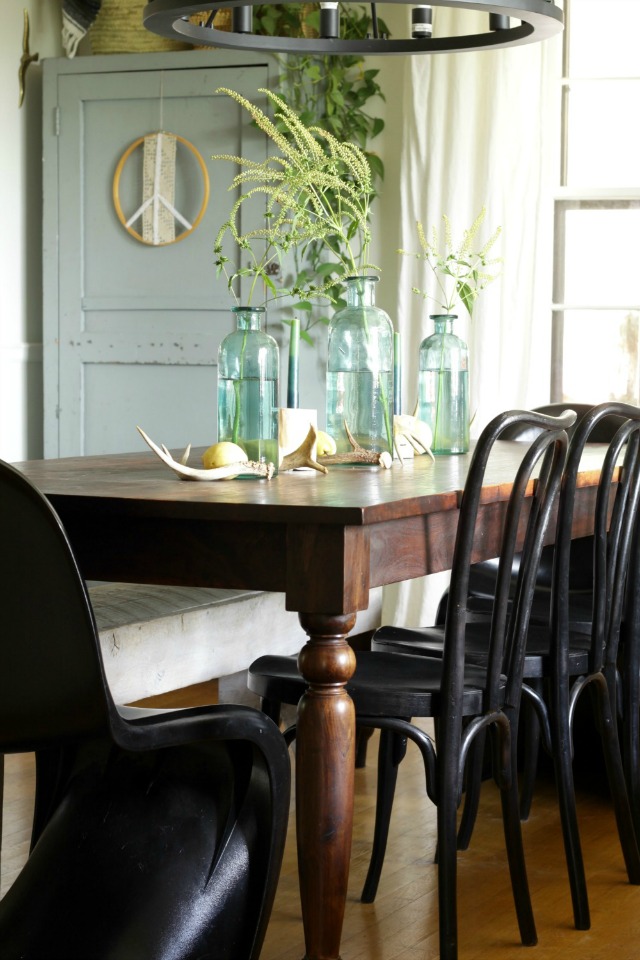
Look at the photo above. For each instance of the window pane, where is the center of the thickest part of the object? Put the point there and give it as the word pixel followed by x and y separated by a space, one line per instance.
pixel 603 134
pixel 600 356
pixel 604 38
pixel 601 255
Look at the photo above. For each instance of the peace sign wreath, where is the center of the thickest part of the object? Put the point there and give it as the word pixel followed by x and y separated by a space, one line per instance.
pixel 157 211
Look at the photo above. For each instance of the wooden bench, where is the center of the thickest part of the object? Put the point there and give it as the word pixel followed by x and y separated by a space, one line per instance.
pixel 158 638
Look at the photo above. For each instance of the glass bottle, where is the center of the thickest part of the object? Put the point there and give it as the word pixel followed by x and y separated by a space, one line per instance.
pixel 248 368
pixel 360 371
pixel 443 387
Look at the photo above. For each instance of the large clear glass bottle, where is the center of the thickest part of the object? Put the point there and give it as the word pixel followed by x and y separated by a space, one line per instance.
pixel 248 369
pixel 443 387
pixel 360 371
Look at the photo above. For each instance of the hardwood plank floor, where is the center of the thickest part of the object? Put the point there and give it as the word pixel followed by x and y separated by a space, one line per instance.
pixel 402 923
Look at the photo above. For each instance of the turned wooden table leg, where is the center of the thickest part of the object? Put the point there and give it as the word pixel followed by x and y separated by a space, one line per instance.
pixel 325 762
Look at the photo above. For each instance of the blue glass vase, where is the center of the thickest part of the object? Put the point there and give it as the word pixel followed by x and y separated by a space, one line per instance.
pixel 248 369
pixel 443 387
pixel 360 371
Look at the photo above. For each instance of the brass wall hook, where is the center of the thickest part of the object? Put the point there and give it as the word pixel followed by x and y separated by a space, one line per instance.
pixel 26 59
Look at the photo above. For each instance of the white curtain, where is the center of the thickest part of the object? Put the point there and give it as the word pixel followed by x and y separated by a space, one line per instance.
pixel 481 129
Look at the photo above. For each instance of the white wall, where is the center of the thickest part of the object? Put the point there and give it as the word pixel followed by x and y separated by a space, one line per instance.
pixel 21 209
pixel 20 238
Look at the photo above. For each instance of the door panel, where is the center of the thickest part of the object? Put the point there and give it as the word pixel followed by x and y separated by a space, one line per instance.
pixel 132 330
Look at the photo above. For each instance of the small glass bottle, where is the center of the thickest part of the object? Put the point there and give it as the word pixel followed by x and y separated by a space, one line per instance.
pixel 360 371
pixel 443 387
pixel 248 369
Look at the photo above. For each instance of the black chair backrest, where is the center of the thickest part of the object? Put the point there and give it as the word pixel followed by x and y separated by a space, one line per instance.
pixel 52 681
pixel 602 431
pixel 616 511
pixel 509 625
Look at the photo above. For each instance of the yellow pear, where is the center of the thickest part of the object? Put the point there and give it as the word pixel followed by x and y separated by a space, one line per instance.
pixel 325 445
pixel 223 453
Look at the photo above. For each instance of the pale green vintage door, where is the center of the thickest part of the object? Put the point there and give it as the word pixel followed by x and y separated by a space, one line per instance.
pixel 131 330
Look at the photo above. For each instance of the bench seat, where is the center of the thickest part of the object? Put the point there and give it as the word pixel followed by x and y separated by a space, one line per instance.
pixel 160 638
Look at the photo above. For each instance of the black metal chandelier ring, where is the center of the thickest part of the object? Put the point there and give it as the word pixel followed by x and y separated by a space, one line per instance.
pixel 536 20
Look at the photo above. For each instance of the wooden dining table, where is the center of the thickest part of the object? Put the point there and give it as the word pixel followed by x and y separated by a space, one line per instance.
pixel 323 540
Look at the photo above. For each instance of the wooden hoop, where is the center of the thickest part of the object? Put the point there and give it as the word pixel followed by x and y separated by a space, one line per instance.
pixel 116 190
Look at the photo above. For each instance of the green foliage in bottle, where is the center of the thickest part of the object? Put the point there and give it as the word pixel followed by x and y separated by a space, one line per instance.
pixel 316 189
pixel 459 271
pixel 332 93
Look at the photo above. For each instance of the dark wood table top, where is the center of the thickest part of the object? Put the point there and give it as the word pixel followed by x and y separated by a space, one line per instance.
pixel 130 518
pixel 347 495
pixel 355 494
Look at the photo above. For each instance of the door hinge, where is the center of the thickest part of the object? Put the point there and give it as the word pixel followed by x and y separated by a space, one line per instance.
pixel 56 121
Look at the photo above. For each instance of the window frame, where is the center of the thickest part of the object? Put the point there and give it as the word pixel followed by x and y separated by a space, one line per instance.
pixel 571 198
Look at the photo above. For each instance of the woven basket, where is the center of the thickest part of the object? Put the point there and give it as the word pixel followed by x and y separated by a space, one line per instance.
pixel 118 28
pixel 221 21
pixel 307 31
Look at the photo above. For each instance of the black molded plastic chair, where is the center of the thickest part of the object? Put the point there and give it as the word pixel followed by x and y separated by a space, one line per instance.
pixel 464 699
pixel 565 656
pixel 157 834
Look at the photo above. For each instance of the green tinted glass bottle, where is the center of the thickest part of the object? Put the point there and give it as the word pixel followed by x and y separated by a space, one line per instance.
pixel 360 371
pixel 443 387
pixel 248 369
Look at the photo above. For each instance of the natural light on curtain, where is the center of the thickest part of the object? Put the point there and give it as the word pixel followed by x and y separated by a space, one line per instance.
pixel 482 129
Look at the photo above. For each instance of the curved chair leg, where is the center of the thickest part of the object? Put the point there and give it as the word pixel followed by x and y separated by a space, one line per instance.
pixel 363 735
pixel 631 760
pixel 272 709
pixel 515 854
pixel 391 752
pixel 447 874
pixel 615 776
pixel 530 726
pixel 1 801
pixel 568 817
pixel 473 786
pixel 630 725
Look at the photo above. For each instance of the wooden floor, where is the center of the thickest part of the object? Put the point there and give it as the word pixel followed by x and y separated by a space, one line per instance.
pixel 402 924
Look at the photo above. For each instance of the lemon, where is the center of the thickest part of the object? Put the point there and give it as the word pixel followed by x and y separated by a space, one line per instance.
pixel 325 445
pixel 222 453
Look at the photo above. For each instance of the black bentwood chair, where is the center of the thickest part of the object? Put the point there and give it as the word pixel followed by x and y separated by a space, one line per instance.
pixel 482 586
pixel 482 578
pixel 577 648
pixel 464 699
pixel 157 835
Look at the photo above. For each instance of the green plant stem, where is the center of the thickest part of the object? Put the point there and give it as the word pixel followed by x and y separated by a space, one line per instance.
pixel 385 412
pixel 438 395
pixel 384 400
pixel 236 389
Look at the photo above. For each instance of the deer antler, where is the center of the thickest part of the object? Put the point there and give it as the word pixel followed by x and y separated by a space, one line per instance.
pixel 227 472
pixel 302 456
pixel 358 454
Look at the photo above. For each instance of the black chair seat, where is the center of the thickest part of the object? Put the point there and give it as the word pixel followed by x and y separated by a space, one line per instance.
pixel 429 642
pixel 580 608
pixel 482 575
pixel 383 684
